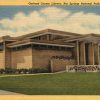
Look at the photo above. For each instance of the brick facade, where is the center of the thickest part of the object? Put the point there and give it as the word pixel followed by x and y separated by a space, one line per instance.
pixel 60 64
pixel 2 59
pixel 21 58
pixel 41 58
pixel 35 58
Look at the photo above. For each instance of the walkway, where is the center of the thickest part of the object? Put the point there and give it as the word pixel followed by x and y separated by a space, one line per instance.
pixel 31 74
pixel 3 92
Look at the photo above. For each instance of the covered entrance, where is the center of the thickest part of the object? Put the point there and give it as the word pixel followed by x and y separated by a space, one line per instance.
pixel 88 53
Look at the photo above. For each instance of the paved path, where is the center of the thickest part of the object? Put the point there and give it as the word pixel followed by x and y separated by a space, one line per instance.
pixel 24 74
pixel 3 92
pixel 31 74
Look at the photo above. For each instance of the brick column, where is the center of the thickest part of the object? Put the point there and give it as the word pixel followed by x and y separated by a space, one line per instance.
pixel 82 53
pixel 76 52
pixel 51 65
pixel 96 54
pixel 7 57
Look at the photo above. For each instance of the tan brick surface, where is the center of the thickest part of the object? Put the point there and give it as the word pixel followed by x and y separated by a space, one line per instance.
pixel 2 65
pixel 60 64
pixel 22 58
pixel 41 58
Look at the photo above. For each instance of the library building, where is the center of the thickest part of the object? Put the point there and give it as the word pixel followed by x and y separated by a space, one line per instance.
pixel 52 49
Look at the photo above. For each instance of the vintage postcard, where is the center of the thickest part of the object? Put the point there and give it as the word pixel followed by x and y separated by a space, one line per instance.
pixel 50 48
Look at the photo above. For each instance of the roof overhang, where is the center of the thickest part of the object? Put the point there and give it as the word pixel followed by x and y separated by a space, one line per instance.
pixel 38 43
pixel 85 38
pixel 47 31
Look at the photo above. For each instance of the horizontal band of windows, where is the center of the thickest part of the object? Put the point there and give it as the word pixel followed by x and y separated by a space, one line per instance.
pixel 41 47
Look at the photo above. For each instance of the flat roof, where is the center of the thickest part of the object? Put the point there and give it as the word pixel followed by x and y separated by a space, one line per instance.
pixel 86 36
pixel 24 39
pixel 39 43
pixel 39 33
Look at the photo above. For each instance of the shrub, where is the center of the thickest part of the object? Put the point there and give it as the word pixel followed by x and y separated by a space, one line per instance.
pixel 24 71
pixel 2 71
pixel 21 71
pixel 9 71
pixel 31 71
pixel 40 70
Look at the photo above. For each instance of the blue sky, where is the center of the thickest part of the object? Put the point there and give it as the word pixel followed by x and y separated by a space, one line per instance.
pixel 19 20
pixel 9 11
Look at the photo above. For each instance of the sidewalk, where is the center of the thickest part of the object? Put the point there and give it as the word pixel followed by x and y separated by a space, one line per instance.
pixel 25 74
pixel 3 92
pixel 33 74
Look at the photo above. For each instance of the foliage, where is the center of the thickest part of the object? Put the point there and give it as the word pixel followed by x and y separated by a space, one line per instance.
pixel 24 71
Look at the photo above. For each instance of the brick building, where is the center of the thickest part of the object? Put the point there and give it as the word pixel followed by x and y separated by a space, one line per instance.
pixel 50 49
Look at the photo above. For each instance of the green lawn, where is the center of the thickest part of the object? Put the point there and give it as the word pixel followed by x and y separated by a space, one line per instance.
pixel 54 84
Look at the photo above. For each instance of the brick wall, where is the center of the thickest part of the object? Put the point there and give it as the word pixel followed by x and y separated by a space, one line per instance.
pixel 21 58
pixel 41 58
pixel 60 64
pixel 8 58
pixel 37 58
pixel 2 60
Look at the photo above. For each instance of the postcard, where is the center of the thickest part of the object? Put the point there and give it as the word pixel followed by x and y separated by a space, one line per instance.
pixel 49 49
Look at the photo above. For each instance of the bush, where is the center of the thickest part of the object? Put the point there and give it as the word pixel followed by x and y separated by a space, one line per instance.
pixel 9 71
pixel 31 71
pixel 24 71
pixel 40 70
pixel 2 71
pixel 21 71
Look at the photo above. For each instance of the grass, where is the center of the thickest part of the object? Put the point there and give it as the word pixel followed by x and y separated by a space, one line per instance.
pixel 53 84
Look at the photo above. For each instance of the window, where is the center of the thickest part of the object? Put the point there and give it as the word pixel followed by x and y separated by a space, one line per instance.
pixel 1 47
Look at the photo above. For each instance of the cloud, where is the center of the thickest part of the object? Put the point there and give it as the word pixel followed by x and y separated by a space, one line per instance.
pixel 50 17
pixel 55 13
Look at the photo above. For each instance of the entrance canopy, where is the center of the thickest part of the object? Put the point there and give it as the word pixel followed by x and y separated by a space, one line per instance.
pixel 95 38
